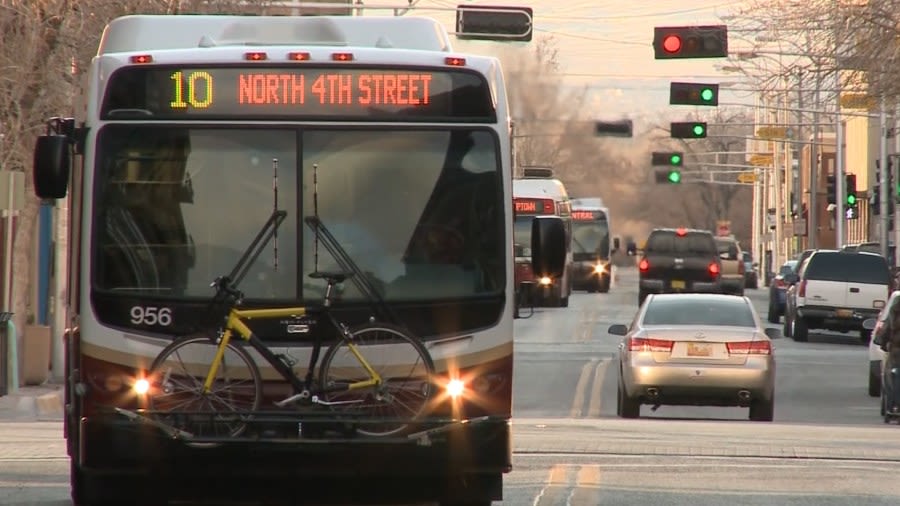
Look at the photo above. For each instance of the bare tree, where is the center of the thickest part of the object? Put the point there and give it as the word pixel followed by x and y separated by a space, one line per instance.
pixel 857 39
pixel 47 47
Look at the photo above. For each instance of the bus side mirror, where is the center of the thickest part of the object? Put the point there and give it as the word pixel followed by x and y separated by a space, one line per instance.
pixel 51 166
pixel 548 246
pixel 616 244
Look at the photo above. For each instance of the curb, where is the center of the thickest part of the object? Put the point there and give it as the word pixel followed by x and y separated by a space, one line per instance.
pixel 36 402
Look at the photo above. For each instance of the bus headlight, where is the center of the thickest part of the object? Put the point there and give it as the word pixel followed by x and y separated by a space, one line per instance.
pixel 455 388
pixel 141 386
pixel 546 281
pixel 600 269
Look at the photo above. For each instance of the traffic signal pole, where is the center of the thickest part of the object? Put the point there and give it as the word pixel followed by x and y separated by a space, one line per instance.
pixel 839 182
pixel 886 190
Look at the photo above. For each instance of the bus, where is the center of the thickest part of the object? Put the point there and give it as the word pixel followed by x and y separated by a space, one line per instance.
pixel 538 193
pixel 194 131
pixel 592 248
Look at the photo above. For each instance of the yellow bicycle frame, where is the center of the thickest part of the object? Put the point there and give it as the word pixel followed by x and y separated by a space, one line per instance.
pixel 235 324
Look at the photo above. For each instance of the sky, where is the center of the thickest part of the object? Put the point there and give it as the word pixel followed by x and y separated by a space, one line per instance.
pixel 606 45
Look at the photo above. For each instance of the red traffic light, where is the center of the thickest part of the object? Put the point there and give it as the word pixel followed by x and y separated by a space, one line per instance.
pixel 672 44
pixel 709 41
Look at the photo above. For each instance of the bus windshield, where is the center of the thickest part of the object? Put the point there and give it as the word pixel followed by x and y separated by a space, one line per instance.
pixel 590 237
pixel 419 211
pixel 522 233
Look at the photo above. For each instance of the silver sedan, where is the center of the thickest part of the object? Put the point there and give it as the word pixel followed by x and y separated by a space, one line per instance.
pixel 696 350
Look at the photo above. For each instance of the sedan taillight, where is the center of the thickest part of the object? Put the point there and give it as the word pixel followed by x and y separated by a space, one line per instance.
pixel 647 344
pixel 749 348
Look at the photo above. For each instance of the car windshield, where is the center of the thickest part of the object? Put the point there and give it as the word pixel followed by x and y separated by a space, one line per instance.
pixel 787 268
pixel 686 310
pixel 848 267
pixel 689 243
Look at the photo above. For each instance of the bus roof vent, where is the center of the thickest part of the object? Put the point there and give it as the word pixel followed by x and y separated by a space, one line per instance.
pixel 159 32
pixel 538 172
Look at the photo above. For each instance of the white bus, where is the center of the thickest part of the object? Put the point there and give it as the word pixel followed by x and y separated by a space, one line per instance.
pixel 591 244
pixel 195 129
pixel 538 193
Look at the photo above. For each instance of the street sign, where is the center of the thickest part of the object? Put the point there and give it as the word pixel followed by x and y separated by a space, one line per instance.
pixel 761 160
pixel 770 132
pixel 857 101
pixel 746 177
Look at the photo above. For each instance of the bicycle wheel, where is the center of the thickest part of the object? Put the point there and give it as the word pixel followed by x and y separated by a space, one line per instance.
pixel 176 387
pixel 405 367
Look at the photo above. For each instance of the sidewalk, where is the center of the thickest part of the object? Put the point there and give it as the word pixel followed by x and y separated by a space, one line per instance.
pixel 30 403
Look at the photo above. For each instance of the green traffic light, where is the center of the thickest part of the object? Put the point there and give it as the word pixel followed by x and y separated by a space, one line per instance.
pixel 851 200
pixel 706 94
pixel 676 159
pixel 698 130
pixel 674 176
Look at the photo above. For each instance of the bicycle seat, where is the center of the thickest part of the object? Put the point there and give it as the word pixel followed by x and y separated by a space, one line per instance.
pixel 332 277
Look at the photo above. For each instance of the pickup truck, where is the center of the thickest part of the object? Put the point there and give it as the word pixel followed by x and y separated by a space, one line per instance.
pixel 679 260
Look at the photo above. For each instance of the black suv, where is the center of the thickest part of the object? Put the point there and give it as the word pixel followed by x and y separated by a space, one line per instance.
pixel 679 260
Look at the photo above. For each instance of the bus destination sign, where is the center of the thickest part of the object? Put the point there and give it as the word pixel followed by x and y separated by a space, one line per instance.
pixel 532 206
pixel 298 92
pixel 588 215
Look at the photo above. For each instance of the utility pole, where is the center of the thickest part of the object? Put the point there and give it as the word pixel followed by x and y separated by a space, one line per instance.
pixel 893 188
pixel 886 192
pixel 798 196
pixel 813 221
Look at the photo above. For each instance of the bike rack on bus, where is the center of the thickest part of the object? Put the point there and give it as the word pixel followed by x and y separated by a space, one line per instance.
pixel 428 434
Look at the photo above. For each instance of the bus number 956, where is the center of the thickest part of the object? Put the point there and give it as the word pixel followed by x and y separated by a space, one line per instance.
pixel 151 315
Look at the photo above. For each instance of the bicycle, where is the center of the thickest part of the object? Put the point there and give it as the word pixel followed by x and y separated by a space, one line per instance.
pixel 375 391
pixel 207 356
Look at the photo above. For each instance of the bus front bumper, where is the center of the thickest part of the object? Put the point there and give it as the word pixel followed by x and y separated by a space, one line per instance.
pixel 410 468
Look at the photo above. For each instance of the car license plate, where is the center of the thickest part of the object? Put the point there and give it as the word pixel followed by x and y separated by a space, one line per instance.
pixel 699 350
pixel 844 313
pixel 677 284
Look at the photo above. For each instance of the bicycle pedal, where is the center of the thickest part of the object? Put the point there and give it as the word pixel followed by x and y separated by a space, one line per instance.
pixel 292 399
pixel 317 400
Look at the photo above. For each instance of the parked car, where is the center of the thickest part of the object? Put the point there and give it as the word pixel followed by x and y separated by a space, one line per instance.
pixel 697 350
pixel 751 272
pixel 876 354
pixel 837 290
pixel 778 290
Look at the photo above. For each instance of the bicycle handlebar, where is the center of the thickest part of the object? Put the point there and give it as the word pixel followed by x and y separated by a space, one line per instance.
pixel 222 284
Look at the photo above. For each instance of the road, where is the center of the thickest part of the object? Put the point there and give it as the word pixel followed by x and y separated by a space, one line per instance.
pixel 827 445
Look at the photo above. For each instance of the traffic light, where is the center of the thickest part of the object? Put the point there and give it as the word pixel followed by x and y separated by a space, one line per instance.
pixel 482 22
pixel 709 41
pixel 850 188
pixel 671 159
pixel 831 189
pixel 622 128
pixel 688 130
pixel 875 201
pixel 693 94
pixel 669 176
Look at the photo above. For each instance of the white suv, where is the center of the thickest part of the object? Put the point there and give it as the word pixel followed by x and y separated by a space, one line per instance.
pixel 838 290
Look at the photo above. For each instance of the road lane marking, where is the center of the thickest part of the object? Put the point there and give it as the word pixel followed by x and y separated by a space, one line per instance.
pixel 578 400
pixel 586 491
pixel 596 389
pixel 558 478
